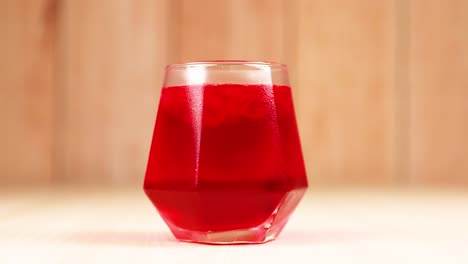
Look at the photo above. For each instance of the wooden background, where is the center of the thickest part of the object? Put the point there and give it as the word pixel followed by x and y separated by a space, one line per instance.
pixel 380 87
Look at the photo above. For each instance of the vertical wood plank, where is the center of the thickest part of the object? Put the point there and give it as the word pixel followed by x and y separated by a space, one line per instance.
pixel 258 30
pixel 439 92
pixel 346 93
pixel 27 30
pixel 112 61
pixel 234 29
pixel 203 30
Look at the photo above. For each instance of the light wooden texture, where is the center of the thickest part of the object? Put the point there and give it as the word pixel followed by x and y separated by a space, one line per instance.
pixel 27 45
pixel 438 96
pixel 111 63
pixel 233 29
pixel 345 92
pixel 380 87
pixel 79 225
pixel 194 41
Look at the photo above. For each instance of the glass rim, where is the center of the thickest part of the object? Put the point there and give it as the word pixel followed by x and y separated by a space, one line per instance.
pixel 211 63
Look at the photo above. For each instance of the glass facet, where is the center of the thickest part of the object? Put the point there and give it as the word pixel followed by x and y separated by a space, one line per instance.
pixel 225 164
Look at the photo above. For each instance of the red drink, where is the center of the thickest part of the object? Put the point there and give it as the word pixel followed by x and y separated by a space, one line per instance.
pixel 225 161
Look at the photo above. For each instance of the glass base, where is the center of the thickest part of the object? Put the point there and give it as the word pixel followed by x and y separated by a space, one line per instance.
pixel 268 229
pixel 257 235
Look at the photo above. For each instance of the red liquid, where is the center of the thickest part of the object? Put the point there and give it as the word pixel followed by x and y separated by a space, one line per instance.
pixel 225 157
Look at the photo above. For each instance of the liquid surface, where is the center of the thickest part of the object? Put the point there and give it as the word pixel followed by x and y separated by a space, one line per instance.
pixel 223 156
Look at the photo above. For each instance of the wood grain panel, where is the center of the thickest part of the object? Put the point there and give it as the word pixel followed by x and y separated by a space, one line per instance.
pixel 111 64
pixel 234 29
pixel 80 82
pixel 345 91
pixel 203 30
pixel 439 92
pixel 27 40
pixel 258 30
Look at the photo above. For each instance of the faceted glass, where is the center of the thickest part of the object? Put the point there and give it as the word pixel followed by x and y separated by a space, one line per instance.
pixel 225 164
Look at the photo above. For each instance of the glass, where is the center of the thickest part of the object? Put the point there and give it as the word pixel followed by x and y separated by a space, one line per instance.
pixel 225 164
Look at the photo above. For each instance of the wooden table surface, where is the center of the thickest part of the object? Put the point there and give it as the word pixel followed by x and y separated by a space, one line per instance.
pixel 105 225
